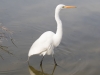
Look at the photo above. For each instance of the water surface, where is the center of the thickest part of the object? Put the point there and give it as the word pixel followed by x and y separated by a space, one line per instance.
pixel 79 51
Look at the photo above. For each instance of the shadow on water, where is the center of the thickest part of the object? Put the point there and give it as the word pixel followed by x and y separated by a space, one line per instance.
pixel 57 70
pixel 34 71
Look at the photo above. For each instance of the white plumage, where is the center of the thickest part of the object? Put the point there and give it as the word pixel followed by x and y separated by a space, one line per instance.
pixel 43 45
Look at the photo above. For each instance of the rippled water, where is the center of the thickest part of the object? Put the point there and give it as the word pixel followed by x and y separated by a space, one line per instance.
pixel 79 51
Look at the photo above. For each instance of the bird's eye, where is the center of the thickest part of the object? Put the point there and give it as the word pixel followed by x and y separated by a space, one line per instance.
pixel 63 7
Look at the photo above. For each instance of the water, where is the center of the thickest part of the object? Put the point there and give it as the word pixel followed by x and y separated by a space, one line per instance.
pixel 79 51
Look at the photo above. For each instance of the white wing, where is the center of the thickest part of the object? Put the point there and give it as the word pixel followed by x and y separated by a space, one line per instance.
pixel 42 44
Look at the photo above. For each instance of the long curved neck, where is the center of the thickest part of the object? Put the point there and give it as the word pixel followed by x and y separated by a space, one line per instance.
pixel 59 32
pixel 59 23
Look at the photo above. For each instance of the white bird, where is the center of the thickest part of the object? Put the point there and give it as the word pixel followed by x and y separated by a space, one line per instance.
pixel 46 43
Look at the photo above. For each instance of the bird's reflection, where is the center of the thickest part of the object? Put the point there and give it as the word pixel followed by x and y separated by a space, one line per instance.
pixel 33 71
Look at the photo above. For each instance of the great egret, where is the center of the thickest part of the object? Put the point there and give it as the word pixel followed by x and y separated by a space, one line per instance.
pixel 48 40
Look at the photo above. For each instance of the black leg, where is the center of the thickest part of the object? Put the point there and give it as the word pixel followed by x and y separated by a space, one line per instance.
pixel 55 61
pixel 41 61
pixel 54 69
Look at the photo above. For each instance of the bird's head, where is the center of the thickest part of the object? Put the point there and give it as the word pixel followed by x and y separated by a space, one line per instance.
pixel 62 6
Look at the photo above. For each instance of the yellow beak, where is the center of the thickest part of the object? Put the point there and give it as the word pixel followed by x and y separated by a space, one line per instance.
pixel 69 6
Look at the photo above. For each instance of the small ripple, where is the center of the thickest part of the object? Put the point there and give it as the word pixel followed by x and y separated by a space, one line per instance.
pixel 8 72
pixel 71 60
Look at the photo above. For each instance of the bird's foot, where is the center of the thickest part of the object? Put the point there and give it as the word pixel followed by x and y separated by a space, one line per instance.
pixel 56 64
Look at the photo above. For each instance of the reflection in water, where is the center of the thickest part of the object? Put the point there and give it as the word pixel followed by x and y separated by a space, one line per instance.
pixel 33 71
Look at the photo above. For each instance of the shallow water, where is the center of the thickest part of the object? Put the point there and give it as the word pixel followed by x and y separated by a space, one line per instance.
pixel 79 51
